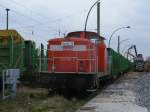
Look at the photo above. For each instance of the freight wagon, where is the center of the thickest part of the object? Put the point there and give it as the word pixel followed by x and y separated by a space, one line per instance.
pixel 15 52
pixel 30 57
pixel 118 63
pixel 11 50
pixel 80 60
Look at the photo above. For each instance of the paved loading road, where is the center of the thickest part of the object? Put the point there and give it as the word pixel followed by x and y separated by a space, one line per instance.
pixel 128 94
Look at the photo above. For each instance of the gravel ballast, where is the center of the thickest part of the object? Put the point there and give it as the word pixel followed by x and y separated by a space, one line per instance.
pixel 130 93
pixel 143 90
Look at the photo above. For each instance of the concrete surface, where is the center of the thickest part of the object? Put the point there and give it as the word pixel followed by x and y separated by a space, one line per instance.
pixel 118 97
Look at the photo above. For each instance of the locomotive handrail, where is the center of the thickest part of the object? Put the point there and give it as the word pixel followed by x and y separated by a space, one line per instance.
pixel 69 72
pixel 76 59
pixel 93 61
pixel 66 57
pixel 69 49
pixel 86 59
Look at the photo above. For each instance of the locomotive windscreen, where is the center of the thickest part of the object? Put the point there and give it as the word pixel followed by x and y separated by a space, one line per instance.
pixel 77 35
pixel 89 35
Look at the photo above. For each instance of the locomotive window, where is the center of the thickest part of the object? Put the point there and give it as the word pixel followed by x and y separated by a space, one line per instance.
pixel 77 35
pixel 92 36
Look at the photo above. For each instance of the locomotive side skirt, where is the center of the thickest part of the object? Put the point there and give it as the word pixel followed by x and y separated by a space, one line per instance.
pixel 72 80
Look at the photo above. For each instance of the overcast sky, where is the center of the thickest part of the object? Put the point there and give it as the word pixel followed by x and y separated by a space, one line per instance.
pixel 41 20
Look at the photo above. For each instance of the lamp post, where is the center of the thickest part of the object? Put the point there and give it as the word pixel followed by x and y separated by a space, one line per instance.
pixel 89 14
pixel 120 42
pixel 115 32
pixel 98 18
pixel 7 10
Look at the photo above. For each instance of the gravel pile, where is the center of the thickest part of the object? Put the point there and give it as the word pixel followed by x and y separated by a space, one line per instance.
pixel 142 90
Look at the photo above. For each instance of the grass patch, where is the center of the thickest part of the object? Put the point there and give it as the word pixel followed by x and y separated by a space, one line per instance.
pixel 37 100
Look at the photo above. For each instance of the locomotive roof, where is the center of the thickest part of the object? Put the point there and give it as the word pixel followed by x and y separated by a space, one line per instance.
pixel 74 39
pixel 79 33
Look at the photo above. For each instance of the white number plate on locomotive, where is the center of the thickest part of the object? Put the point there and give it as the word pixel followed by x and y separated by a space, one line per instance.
pixel 66 44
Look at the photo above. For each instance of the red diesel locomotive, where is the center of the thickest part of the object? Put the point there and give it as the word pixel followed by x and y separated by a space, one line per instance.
pixel 77 61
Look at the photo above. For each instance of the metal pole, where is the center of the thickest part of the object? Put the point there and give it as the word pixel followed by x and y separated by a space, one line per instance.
pixel 98 18
pixel 115 32
pixel 118 49
pixel 7 10
pixel 12 51
pixel 42 56
pixel 135 50
pixel 40 50
pixel 3 88
pixel 89 14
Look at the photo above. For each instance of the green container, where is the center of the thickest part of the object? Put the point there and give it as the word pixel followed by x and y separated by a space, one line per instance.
pixel 35 60
pixel 11 50
pixel 30 57
pixel 17 53
pixel 119 63
pixel 43 63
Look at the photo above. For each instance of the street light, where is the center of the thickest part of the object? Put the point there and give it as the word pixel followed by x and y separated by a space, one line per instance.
pixel 89 14
pixel 120 42
pixel 115 32
pixel 7 10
